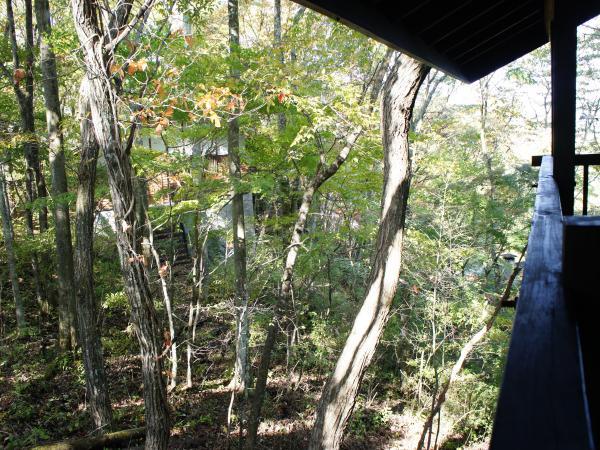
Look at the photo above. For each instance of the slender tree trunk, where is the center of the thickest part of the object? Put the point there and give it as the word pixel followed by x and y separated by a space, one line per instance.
pixel 163 272
pixel 466 351
pixel 339 394
pixel 7 231
pixel 86 306
pixel 64 249
pixel 283 301
pixel 282 306
pixel 32 146
pixel 198 277
pixel 98 50
pixel 281 119
pixel 34 182
pixel 241 376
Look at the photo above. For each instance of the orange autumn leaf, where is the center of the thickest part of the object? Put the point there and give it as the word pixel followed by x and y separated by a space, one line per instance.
pixel 230 106
pixel 132 68
pixel 19 74
pixel 160 90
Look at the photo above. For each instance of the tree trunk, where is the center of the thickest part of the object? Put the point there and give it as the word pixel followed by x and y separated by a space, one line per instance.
pixel 339 394
pixel 33 176
pixel 466 350
pixel 282 305
pixel 7 231
pixel 64 249
pixel 163 273
pixel 121 439
pixel 241 376
pixel 322 174
pixel 32 147
pixel 86 306
pixel 281 119
pixel 98 48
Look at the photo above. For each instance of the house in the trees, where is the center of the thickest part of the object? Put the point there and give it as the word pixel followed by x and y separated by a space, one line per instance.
pixel 161 193
pixel 548 398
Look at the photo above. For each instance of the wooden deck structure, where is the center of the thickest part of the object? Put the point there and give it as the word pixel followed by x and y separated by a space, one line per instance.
pixel 548 395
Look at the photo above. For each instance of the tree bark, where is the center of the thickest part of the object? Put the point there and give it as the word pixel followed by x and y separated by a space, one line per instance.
pixel 86 306
pixel 98 47
pixel 323 173
pixel 64 248
pixel 241 376
pixel 281 119
pixel 163 274
pixel 117 438
pixel 7 231
pixel 466 350
pixel 34 181
pixel 32 146
pixel 339 394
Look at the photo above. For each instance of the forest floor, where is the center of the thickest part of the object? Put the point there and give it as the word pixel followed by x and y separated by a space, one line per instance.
pixel 42 397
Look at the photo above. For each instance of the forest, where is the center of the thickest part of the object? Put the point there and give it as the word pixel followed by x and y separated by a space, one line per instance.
pixel 241 224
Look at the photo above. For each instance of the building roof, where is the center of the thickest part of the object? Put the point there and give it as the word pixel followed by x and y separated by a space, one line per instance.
pixel 467 39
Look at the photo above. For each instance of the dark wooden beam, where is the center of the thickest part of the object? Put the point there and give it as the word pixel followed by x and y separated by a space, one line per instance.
pixel 542 403
pixel 563 42
pixel 588 159
pixel 385 28
pixel 581 275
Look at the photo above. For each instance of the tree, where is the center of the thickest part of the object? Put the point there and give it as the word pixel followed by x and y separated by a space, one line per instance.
pixel 323 172
pixel 34 179
pixel 64 248
pixel 86 306
pixel 339 394
pixel 7 231
pixel 464 353
pixel 241 376
pixel 98 40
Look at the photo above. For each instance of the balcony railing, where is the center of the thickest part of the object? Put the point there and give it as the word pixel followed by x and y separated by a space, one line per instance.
pixel 585 160
pixel 545 402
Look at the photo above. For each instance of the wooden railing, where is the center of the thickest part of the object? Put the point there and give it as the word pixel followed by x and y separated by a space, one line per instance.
pixel 585 160
pixel 543 402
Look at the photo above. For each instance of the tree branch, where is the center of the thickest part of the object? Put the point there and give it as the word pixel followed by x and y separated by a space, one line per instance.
pixel 125 30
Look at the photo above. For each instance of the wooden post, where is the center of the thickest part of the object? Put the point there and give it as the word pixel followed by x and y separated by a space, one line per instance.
pixel 563 40
pixel 586 176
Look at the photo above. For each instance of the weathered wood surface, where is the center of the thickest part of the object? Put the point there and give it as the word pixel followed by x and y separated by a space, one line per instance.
pixel 464 38
pixel 563 52
pixel 587 159
pixel 581 276
pixel 118 439
pixel 542 404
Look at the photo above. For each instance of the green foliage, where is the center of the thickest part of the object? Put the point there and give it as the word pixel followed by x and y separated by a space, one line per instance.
pixel 368 421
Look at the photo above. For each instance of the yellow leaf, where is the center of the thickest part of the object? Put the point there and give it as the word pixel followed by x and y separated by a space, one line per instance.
pixel 215 119
pixel 115 69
